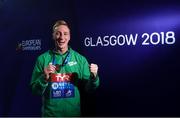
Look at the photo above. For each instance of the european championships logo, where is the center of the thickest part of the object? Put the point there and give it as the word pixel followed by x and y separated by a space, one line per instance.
pixel 29 45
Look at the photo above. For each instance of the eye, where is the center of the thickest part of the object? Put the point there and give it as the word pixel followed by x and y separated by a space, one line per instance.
pixel 57 33
pixel 66 33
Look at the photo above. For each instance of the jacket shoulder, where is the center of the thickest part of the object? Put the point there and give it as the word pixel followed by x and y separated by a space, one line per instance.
pixel 78 55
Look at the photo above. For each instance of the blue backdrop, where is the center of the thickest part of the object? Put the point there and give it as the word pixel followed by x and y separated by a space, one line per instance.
pixel 134 42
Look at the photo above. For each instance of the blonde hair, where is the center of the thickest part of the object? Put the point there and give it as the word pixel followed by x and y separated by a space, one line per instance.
pixel 60 22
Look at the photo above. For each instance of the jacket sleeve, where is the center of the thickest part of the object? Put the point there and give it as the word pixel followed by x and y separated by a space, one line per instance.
pixel 91 83
pixel 38 84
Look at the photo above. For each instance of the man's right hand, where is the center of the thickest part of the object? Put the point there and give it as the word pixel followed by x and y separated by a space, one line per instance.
pixel 49 69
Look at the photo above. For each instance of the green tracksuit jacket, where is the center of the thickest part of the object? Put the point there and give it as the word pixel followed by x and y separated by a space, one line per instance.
pixel 61 96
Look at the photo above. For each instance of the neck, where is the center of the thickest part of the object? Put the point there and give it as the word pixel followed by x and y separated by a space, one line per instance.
pixel 62 50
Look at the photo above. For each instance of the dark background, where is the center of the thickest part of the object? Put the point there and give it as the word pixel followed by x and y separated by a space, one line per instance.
pixel 135 80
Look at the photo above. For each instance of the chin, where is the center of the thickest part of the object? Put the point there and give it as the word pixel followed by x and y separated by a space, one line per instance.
pixel 62 47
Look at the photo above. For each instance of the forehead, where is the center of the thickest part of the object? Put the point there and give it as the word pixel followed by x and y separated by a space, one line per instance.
pixel 62 28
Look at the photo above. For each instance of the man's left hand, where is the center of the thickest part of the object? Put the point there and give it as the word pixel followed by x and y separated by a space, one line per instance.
pixel 93 69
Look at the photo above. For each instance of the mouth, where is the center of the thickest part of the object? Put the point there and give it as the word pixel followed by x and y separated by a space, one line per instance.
pixel 60 42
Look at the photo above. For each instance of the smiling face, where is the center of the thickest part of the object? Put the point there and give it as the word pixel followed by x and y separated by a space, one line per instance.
pixel 61 36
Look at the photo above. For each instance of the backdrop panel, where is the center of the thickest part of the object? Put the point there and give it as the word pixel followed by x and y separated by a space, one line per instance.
pixel 136 44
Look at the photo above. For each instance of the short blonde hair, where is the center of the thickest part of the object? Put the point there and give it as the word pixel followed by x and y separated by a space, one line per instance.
pixel 60 22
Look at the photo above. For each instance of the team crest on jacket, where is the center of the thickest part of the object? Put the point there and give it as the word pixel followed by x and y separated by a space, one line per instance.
pixel 61 85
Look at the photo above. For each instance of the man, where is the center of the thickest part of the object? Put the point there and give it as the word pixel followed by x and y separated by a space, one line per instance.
pixel 58 73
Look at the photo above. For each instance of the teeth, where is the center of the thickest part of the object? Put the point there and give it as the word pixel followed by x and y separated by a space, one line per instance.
pixel 60 42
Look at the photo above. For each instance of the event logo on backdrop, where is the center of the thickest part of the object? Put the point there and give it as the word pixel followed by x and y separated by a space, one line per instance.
pixel 155 38
pixel 29 45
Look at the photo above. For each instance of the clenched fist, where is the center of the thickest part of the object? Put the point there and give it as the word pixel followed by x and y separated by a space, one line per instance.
pixel 93 69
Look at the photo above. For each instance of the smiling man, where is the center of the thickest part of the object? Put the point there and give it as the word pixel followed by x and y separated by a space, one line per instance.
pixel 58 73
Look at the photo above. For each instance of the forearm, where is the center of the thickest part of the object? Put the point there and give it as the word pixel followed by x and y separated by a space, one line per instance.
pixel 92 83
pixel 39 85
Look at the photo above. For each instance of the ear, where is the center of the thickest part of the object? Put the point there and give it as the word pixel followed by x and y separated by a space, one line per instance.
pixel 69 36
pixel 53 36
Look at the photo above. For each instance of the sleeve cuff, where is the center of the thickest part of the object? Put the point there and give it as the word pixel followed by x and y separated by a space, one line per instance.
pixel 43 82
pixel 96 79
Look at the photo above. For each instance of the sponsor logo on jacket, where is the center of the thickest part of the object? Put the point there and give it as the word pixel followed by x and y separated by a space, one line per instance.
pixel 72 63
pixel 61 86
